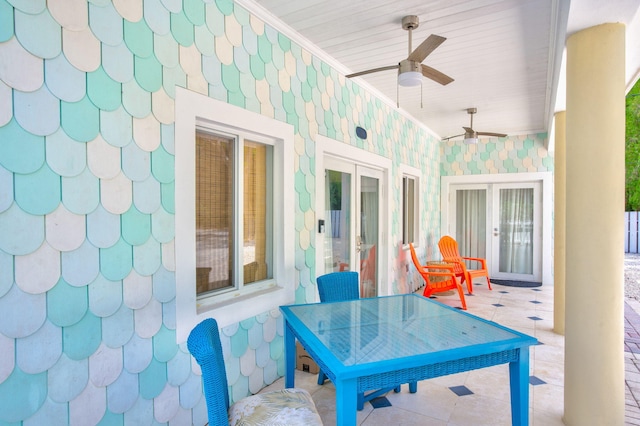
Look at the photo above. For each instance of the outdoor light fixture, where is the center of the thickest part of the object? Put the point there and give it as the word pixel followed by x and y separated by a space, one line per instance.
pixel 410 78
pixel 471 138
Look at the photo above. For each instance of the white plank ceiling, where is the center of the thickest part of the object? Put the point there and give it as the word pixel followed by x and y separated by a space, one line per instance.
pixel 504 55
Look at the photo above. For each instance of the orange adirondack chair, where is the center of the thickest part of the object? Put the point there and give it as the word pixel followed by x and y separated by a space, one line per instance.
pixel 450 254
pixel 438 278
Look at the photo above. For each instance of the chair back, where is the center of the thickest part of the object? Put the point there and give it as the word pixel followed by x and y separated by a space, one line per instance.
pixel 204 345
pixel 414 257
pixel 338 286
pixel 449 251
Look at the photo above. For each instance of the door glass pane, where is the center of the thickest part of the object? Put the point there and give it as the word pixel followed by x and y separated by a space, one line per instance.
pixel 471 222
pixel 369 228
pixel 214 212
pixel 516 231
pixel 337 221
pixel 408 210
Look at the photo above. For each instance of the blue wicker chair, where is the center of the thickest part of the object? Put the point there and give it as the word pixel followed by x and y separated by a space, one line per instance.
pixel 341 286
pixel 287 406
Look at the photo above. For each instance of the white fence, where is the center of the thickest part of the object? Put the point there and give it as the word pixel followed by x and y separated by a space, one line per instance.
pixel 631 234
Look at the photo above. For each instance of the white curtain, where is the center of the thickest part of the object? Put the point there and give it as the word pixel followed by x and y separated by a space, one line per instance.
pixel 516 231
pixel 471 222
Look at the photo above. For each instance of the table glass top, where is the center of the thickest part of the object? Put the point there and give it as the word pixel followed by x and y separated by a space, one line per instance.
pixel 382 328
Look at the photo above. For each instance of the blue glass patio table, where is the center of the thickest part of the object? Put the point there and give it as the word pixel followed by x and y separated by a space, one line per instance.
pixel 383 342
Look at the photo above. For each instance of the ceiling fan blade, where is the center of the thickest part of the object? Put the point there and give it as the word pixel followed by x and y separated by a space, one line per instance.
pixel 426 47
pixel 356 74
pixel 452 137
pixel 499 135
pixel 436 75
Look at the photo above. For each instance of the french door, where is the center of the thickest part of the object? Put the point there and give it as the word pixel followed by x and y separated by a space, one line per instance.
pixel 351 240
pixel 502 223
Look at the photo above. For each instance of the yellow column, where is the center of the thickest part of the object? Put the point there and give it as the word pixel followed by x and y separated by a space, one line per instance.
pixel 594 322
pixel 560 221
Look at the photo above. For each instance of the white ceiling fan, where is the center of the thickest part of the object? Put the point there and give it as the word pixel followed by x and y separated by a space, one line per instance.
pixel 411 70
pixel 470 135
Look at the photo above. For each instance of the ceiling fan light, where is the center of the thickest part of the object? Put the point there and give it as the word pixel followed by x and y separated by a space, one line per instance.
pixel 471 140
pixel 410 78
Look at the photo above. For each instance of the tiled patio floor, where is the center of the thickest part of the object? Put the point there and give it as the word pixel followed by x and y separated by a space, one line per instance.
pixel 481 397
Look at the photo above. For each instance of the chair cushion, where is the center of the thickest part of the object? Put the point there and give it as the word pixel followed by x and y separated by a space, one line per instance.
pixel 283 407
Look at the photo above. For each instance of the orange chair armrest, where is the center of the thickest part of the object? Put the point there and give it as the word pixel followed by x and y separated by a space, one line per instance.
pixel 477 259
pixel 444 266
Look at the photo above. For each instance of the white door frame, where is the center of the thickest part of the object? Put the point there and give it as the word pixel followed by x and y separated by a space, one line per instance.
pixel 546 181
pixel 345 152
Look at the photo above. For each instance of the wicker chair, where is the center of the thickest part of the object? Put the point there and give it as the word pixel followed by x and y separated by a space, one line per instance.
pixel 438 278
pixel 450 254
pixel 287 406
pixel 338 287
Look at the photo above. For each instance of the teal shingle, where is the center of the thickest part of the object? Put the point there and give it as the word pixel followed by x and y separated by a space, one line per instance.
pixel 182 29
pixel 239 342
pixel 80 120
pixel 104 92
pixel 38 193
pixel 231 77
pixel 139 38
pixel 225 6
pixel 265 49
pixel 28 393
pixel 66 304
pixel 81 339
pixel 153 379
pixel 194 10
pixel 162 165
pixel 6 21
pixel 116 261
pixel 164 345
pixel 20 151
pixel 148 73
pixel 136 226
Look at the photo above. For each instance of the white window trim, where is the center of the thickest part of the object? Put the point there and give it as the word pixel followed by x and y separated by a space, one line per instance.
pixel 414 173
pixel 192 109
